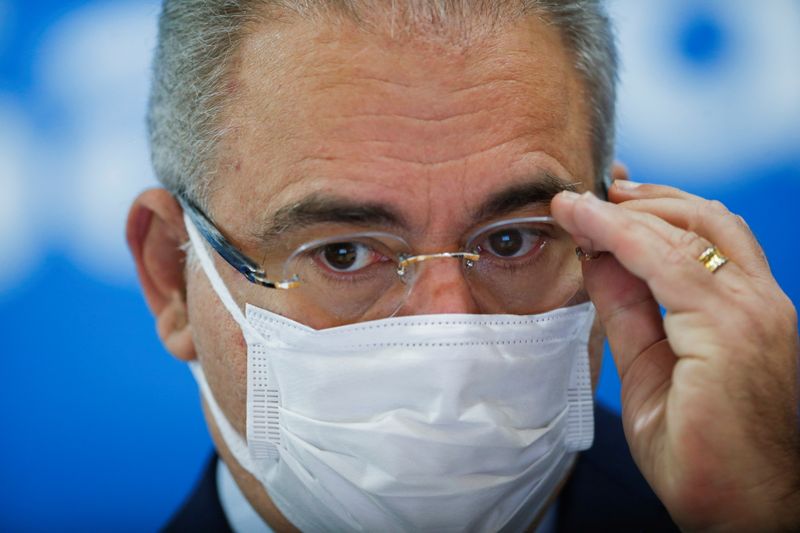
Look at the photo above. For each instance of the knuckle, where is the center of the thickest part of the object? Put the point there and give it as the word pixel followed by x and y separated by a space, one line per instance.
pixel 716 207
pixel 707 210
pixel 687 241
pixel 675 256
pixel 685 245
pixel 742 223
pixel 682 247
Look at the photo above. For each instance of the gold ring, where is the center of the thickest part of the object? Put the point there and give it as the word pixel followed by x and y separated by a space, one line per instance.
pixel 712 259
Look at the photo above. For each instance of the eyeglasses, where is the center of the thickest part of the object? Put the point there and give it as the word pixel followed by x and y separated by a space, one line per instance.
pixel 521 265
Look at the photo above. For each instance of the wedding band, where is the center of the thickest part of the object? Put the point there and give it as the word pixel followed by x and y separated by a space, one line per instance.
pixel 712 259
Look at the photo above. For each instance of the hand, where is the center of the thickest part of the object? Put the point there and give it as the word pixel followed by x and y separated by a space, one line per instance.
pixel 709 391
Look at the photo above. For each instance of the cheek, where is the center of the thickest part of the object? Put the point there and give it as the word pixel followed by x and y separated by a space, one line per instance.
pixel 221 349
pixel 596 339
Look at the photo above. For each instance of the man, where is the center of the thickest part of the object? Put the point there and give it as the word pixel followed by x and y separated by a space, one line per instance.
pixel 381 303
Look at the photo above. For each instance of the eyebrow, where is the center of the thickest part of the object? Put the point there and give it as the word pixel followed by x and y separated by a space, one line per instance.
pixel 538 190
pixel 324 209
pixel 318 209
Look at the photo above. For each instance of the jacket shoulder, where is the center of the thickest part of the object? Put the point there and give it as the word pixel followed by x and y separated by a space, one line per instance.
pixel 202 511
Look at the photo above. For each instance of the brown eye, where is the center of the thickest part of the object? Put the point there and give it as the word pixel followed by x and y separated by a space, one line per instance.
pixel 506 243
pixel 512 242
pixel 347 256
pixel 340 255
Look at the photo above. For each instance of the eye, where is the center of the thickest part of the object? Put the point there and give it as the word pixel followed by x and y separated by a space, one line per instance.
pixel 348 256
pixel 511 242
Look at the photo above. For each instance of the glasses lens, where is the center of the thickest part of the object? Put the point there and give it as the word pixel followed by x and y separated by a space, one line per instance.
pixel 525 267
pixel 351 277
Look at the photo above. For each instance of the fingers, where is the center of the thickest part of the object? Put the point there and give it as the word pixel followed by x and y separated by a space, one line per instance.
pixel 710 219
pixel 623 190
pixel 632 320
pixel 626 308
pixel 662 255
pixel 725 230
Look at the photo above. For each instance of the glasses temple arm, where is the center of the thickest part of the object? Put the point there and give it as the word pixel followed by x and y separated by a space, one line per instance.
pixel 239 261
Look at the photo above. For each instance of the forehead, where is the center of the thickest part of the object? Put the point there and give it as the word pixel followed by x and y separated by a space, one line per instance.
pixel 427 126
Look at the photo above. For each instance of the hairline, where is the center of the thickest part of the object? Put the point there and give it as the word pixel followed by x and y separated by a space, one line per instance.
pixel 194 167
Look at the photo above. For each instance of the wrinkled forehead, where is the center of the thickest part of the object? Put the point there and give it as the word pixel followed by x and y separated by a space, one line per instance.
pixel 429 127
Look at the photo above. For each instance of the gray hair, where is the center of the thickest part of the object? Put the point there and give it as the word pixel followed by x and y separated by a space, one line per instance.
pixel 198 40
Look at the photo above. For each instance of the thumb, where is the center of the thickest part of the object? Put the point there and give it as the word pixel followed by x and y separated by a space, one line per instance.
pixel 634 326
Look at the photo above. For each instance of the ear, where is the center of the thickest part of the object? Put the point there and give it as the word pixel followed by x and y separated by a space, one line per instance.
pixel 619 171
pixel 155 233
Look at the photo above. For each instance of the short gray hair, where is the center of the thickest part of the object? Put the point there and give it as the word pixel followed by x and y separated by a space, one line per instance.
pixel 198 41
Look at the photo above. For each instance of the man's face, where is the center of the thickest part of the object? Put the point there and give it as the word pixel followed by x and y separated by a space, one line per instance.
pixel 430 131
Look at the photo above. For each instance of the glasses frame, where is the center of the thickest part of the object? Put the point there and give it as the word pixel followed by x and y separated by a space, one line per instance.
pixel 243 264
pixel 254 273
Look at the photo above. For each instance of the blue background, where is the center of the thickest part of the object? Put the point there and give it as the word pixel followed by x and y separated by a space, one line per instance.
pixel 101 429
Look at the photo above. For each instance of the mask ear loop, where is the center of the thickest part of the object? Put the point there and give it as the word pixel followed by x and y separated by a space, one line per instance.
pixel 235 442
pixel 215 279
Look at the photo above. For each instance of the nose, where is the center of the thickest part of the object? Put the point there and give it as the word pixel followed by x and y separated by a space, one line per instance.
pixel 439 286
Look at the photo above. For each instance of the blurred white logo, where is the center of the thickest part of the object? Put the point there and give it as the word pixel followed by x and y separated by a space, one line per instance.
pixel 94 70
pixel 18 234
pixel 709 89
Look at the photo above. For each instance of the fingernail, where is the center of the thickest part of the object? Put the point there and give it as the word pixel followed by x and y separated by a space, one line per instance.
pixel 570 196
pixel 590 201
pixel 626 185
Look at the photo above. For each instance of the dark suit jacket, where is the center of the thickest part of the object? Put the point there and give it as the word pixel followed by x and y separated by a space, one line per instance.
pixel 605 492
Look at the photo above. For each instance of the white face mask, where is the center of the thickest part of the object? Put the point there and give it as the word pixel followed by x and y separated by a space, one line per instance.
pixel 421 423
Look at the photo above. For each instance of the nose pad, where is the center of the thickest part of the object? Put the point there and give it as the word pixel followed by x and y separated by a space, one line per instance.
pixel 438 287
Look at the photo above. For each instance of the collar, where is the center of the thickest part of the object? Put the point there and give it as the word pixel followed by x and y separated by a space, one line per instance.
pixel 240 514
